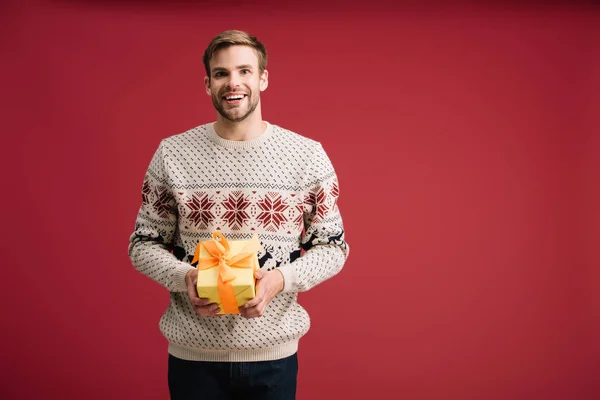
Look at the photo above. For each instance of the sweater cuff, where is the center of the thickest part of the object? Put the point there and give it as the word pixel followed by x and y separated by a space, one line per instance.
pixel 179 277
pixel 289 278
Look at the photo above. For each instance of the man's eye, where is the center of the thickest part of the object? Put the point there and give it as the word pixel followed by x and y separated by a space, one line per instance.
pixel 245 71
pixel 219 74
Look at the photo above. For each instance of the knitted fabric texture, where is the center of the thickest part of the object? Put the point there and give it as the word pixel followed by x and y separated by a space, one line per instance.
pixel 280 186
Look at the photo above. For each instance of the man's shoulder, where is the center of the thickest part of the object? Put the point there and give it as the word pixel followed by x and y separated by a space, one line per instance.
pixel 296 138
pixel 193 134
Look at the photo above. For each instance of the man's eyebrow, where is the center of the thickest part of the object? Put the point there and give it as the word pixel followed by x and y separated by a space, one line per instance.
pixel 245 66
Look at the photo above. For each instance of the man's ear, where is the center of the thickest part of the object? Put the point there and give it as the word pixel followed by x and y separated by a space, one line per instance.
pixel 264 80
pixel 207 84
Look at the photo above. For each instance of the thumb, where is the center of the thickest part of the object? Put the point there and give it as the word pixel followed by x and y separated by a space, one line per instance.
pixel 259 273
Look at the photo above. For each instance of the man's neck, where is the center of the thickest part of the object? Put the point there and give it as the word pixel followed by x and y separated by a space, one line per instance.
pixel 248 129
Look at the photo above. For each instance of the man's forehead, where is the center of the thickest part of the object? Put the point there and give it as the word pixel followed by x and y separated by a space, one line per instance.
pixel 234 56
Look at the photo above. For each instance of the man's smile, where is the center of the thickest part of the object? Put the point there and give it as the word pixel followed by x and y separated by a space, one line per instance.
pixel 234 98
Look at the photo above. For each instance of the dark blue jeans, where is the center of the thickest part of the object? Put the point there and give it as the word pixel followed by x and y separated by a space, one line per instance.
pixel 259 380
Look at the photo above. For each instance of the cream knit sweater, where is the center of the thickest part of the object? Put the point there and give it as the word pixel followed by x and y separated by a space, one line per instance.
pixel 275 186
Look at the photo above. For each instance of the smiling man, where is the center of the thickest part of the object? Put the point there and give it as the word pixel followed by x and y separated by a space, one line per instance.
pixel 242 176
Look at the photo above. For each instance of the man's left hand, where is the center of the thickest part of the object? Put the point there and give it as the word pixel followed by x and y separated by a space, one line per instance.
pixel 268 285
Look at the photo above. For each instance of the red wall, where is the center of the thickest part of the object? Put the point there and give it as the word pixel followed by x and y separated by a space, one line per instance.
pixel 466 141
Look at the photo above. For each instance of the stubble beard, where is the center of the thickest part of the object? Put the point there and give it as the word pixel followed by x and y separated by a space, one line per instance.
pixel 218 104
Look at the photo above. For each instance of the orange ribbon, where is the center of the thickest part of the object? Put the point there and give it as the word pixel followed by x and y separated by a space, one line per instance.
pixel 220 257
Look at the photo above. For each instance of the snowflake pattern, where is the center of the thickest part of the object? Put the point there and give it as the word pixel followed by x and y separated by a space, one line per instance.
pixel 299 220
pixel 146 191
pixel 236 205
pixel 272 209
pixel 335 192
pixel 318 200
pixel 200 205
pixel 163 202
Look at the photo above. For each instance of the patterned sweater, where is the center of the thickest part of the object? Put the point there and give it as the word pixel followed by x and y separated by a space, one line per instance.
pixel 280 186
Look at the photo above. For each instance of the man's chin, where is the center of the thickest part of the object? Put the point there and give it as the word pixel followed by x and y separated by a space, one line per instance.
pixel 234 117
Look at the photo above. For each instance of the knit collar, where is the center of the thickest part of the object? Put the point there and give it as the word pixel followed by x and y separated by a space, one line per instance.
pixel 241 144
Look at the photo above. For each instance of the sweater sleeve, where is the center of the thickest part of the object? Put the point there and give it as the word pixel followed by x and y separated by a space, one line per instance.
pixel 155 226
pixel 324 243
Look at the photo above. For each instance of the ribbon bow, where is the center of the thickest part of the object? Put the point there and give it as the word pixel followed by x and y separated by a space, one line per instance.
pixel 220 257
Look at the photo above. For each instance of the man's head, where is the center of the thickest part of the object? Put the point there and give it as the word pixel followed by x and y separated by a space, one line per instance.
pixel 235 64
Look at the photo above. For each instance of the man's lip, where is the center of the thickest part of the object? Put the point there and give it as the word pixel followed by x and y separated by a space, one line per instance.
pixel 234 94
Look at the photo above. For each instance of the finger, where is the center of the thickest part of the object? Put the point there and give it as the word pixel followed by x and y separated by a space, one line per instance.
pixel 245 313
pixel 201 301
pixel 256 311
pixel 253 303
pixel 209 310
pixel 259 274
pixel 191 290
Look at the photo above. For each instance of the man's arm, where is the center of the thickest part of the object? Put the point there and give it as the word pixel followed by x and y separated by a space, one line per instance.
pixel 155 226
pixel 324 241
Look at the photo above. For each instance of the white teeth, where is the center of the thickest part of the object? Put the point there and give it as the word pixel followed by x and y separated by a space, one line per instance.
pixel 237 97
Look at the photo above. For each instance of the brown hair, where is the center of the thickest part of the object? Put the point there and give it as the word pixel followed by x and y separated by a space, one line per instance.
pixel 231 38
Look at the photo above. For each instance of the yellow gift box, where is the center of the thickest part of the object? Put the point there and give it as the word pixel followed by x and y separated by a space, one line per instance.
pixel 226 271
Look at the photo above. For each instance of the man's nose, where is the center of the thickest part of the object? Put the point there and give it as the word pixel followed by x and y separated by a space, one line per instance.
pixel 234 81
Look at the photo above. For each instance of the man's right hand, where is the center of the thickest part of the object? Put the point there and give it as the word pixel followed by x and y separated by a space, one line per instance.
pixel 203 307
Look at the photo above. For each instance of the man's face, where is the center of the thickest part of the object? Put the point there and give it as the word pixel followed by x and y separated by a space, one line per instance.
pixel 235 82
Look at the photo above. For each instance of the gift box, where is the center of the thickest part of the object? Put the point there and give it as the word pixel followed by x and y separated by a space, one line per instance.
pixel 226 271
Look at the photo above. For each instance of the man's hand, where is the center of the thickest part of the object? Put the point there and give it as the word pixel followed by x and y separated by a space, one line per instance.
pixel 268 284
pixel 203 307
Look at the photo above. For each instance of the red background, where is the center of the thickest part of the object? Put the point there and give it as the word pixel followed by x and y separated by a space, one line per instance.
pixel 466 141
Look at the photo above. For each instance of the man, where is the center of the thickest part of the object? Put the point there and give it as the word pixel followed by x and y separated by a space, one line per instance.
pixel 240 176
